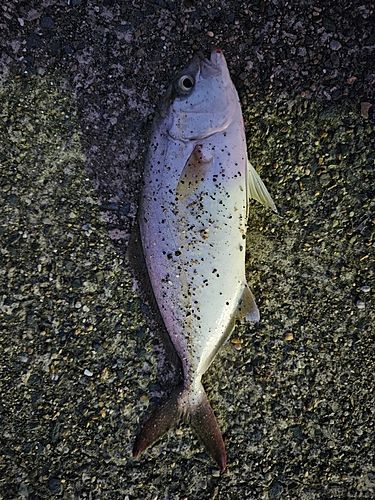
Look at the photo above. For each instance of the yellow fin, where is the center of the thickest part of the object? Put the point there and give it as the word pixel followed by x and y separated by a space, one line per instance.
pixel 257 190
pixel 247 308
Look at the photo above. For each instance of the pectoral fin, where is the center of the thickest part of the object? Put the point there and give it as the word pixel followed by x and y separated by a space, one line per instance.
pixel 256 188
pixel 194 172
pixel 247 308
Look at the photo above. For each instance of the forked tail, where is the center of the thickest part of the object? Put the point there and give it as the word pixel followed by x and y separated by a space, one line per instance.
pixel 192 406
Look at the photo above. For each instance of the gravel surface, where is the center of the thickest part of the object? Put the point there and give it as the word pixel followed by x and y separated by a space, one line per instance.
pixel 81 356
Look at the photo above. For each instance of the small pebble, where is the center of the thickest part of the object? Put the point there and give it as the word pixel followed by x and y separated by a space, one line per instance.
pixel 365 108
pixel 351 80
pixel 335 45
pixel 360 304
pixel 54 485
pixel 47 22
pixel 88 373
pixel 210 34
pixel 365 288
pixel 236 343
pixel 288 336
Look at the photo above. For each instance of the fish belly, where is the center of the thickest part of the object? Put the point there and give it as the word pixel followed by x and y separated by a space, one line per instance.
pixel 194 243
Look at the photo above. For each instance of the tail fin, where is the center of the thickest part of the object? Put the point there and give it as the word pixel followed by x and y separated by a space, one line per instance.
pixel 194 406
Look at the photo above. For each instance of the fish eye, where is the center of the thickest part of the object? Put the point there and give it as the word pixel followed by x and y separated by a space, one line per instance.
pixel 185 83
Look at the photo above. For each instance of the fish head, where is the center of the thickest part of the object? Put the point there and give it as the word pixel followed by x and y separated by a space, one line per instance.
pixel 202 99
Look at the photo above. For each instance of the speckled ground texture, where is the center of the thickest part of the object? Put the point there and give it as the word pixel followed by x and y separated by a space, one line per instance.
pixel 81 357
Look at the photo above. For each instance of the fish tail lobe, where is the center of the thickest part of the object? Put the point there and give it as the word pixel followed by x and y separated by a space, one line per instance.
pixel 206 427
pixel 161 420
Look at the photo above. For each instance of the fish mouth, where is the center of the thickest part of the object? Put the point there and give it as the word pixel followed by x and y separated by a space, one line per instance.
pixel 213 61
pixel 216 56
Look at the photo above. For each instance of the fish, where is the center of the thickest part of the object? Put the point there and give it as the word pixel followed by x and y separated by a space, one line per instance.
pixel 192 220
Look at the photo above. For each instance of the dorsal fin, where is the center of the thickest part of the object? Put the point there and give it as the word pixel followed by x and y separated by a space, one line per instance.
pixel 247 308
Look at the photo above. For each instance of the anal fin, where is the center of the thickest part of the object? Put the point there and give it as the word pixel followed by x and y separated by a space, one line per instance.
pixel 247 308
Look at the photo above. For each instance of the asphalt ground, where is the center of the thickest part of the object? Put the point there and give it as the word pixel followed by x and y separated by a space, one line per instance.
pixel 82 360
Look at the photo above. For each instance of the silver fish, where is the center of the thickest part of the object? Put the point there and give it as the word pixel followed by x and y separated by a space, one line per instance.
pixel 193 221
